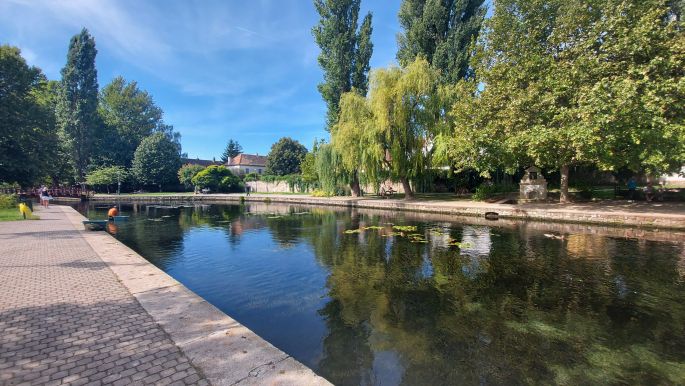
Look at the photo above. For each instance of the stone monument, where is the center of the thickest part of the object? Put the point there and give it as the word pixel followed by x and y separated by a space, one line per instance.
pixel 533 186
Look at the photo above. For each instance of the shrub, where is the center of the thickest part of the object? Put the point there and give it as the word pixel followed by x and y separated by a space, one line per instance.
pixel 218 179
pixel 487 190
pixel 320 193
pixel 186 174
pixel 8 201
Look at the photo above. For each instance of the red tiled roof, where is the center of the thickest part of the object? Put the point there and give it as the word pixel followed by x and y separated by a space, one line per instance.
pixel 248 160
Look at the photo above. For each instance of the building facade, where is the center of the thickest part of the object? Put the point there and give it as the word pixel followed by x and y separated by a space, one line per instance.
pixel 247 163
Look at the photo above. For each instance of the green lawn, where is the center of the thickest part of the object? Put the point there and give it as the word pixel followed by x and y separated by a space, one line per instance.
pixel 12 214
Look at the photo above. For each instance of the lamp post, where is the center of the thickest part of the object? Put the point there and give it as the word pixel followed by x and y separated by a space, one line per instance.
pixel 118 183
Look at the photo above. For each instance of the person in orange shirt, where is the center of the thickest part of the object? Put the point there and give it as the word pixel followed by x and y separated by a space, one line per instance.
pixel 112 212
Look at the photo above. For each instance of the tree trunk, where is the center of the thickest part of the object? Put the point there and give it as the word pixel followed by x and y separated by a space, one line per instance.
pixel 354 185
pixel 408 193
pixel 563 198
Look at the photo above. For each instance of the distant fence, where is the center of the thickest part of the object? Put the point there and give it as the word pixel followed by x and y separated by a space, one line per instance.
pixel 75 192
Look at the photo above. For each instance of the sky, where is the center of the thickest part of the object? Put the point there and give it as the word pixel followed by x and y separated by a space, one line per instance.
pixel 220 69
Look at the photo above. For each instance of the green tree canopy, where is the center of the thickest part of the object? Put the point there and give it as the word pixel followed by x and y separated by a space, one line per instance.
pixel 217 178
pixel 285 157
pixel 345 51
pixel 441 31
pixel 77 106
pixel 233 148
pixel 129 115
pixel 157 160
pixel 106 176
pixel 560 83
pixel 187 172
pixel 28 140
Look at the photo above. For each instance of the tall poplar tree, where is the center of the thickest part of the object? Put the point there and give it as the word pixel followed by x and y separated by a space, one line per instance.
pixel 345 51
pixel 345 54
pixel 78 102
pixel 442 32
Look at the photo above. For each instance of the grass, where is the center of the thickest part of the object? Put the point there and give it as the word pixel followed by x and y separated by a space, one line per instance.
pixel 12 214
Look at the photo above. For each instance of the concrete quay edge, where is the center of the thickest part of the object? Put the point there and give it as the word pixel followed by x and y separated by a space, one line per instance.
pixel 227 352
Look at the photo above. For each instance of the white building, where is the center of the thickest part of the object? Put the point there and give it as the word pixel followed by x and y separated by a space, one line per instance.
pixel 246 164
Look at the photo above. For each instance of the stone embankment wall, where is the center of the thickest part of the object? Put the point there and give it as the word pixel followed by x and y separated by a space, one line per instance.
pixel 520 212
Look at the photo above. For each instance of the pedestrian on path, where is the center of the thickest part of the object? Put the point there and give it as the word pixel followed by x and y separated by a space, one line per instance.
pixel 632 185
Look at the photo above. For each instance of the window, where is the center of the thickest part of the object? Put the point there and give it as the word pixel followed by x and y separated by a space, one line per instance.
pixel 260 171
pixel 247 170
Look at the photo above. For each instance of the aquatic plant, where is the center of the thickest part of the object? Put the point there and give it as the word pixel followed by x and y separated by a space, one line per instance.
pixel 405 228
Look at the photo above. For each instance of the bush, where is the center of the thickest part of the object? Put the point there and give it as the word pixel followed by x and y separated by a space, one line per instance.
pixel 8 201
pixel 251 177
pixel 320 193
pixel 487 190
pixel 217 178
pixel 186 174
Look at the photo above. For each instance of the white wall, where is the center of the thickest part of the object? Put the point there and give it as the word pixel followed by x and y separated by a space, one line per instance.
pixel 283 187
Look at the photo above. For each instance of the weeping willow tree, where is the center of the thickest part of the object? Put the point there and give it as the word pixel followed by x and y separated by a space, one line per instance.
pixel 329 168
pixel 353 138
pixel 391 132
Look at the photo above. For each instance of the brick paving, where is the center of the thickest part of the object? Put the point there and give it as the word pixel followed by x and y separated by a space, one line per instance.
pixel 66 320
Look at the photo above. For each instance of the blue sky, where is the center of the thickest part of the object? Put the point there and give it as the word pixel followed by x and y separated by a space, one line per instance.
pixel 219 69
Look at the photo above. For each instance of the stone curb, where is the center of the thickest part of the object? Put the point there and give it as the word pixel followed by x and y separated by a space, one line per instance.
pixel 225 351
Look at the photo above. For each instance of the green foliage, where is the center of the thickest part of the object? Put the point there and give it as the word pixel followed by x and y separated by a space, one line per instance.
pixel 157 160
pixel 107 176
pixel 391 130
pixel 330 170
pixel 488 190
pixel 78 101
pixel 561 84
pixel 345 51
pixel 441 31
pixel 129 115
pixel 217 178
pixel 308 169
pixel 8 201
pixel 186 174
pixel 233 148
pixel 28 140
pixel 251 177
pixel 285 157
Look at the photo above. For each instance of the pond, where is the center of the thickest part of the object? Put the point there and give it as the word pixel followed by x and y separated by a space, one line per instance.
pixel 374 297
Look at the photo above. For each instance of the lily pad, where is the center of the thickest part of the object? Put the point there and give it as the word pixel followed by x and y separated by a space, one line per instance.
pixel 405 228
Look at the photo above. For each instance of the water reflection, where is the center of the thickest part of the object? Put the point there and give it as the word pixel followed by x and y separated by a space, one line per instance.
pixel 384 306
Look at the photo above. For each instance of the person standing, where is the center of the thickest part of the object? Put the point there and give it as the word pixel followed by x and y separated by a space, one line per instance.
pixel 44 196
pixel 632 185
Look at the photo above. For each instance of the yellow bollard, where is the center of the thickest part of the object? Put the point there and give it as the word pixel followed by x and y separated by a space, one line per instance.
pixel 25 211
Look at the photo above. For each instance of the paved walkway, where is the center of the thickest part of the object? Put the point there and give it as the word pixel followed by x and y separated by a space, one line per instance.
pixel 66 319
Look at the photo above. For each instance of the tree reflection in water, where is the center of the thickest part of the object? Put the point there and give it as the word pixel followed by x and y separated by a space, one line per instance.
pixel 510 306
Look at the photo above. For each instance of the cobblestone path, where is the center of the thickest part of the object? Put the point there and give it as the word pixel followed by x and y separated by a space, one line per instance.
pixel 65 318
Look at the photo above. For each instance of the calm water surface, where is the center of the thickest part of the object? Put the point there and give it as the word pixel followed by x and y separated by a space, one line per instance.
pixel 433 302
